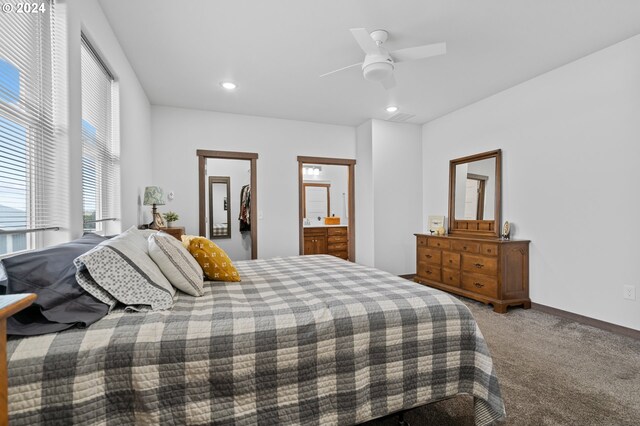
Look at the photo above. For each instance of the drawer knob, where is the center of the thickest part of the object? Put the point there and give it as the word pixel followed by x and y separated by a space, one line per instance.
pixel 488 250
pixel 428 256
pixel 450 260
pixel 464 248
pixel 478 265
pixel 479 285
pixel 428 272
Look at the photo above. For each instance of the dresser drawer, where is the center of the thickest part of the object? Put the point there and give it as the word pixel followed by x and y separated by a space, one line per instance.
pixel 481 284
pixel 429 271
pixel 422 241
pixel 489 249
pixel 314 231
pixel 337 231
pixel 439 243
pixel 466 246
pixel 451 277
pixel 337 239
pixel 334 247
pixel 429 255
pixel 451 260
pixel 479 264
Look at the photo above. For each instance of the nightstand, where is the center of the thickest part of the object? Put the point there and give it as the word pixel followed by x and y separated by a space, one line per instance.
pixel 9 305
pixel 177 231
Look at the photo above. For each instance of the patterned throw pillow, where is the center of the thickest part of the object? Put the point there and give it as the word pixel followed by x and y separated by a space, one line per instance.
pixel 214 261
pixel 175 262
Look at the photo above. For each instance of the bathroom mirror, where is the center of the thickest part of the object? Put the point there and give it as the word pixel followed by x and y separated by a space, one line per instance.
pixel 474 194
pixel 220 206
pixel 317 200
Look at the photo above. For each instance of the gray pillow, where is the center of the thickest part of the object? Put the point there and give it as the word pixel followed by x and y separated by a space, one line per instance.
pixel 176 263
pixel 120 270
pixel 51 275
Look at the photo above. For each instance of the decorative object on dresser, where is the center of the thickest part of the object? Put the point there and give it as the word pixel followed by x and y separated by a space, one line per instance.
pixel 506 230
pixel 9 305
pixel 434 223
pixel 154 196
pixel 473 261
pixel 176 232
pixel 333 240
pixel 171 217
pixel 491 271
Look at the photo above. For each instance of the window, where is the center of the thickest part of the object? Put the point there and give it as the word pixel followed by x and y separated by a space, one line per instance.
pixel 100 145
pixel 28 148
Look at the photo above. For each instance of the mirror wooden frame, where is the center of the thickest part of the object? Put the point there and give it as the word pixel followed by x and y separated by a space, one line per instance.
pixel 486 228
pixel 225 180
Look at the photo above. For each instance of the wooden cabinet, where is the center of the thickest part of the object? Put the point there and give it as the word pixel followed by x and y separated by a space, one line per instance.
pixel 176 232
pixel 333 240
pixel 488 270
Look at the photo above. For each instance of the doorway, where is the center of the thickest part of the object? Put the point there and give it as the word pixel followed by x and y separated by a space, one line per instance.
pixel 228 199
pixel 326 194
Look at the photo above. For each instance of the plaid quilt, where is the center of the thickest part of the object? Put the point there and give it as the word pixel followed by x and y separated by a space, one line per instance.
pixel 302 340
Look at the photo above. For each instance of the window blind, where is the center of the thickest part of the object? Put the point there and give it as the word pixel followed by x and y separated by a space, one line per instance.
pixel 100 144
pixel 30 160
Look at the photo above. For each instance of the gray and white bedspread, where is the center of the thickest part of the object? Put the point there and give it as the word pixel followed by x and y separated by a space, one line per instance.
pixel 301 340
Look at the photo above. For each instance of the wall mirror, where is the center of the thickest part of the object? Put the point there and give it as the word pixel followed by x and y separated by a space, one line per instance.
pixel 474 194
pixel 317 200
pixel 220 207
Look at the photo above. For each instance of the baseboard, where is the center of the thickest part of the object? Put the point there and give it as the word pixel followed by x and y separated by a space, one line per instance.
pixel 603 325
pixel 408 276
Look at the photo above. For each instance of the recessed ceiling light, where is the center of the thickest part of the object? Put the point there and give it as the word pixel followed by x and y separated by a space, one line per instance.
pixel 392 108
pixel 228 85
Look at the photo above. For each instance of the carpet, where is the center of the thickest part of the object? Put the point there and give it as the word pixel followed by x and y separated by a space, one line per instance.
pixel 552 371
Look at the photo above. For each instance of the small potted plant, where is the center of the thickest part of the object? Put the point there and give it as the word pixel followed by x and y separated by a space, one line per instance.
pixel 171 217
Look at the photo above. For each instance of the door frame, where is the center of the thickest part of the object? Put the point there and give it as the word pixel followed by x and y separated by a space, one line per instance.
pixel 350 164
pixel 203 155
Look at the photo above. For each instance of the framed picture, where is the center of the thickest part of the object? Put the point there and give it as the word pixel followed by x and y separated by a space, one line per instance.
pixel 434 223
pixel 158 221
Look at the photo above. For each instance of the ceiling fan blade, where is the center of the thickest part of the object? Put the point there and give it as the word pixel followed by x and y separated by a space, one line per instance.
pixel 341 69
pixel 365 41
pixel 389 82
pixel 419 52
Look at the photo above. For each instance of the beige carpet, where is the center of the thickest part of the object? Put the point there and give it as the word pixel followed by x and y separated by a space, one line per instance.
pixel 552 371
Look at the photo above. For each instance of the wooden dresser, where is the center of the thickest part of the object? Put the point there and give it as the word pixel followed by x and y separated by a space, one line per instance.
pixel 488 270
pixel 177 231
pixel 333 240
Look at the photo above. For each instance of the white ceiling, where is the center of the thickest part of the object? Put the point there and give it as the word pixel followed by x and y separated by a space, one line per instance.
pixel 275 50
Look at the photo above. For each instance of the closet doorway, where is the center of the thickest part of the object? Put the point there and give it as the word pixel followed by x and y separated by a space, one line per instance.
pixel 228 214
pixel 326 194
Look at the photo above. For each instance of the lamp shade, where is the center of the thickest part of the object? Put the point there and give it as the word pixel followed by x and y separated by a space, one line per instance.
pixel 153 195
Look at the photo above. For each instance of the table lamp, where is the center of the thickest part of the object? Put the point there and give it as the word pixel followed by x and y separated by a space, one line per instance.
pixel 153 196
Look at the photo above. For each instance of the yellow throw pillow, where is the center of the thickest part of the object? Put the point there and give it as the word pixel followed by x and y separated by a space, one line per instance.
pixel 213 260
pixel 186 239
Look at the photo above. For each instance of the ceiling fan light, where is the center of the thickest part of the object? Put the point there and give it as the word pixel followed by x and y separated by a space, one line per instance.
pixel 392 108
pixel 377 71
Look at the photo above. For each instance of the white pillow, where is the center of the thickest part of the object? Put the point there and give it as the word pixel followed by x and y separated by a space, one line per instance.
pixel 120 270
pixel 176 263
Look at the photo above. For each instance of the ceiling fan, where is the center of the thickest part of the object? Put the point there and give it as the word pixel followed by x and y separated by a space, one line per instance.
pixel 379 63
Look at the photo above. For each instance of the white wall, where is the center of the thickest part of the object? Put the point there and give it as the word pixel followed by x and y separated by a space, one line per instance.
pixel 570 157
pixel 365 236
pixel 134 114
pixel 177 133
pixel 397 203
pixel 238 247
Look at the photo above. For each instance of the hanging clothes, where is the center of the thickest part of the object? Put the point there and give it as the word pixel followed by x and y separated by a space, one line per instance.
pixel 245 209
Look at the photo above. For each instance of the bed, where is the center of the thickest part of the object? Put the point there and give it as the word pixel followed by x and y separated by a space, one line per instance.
pixel 301 340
